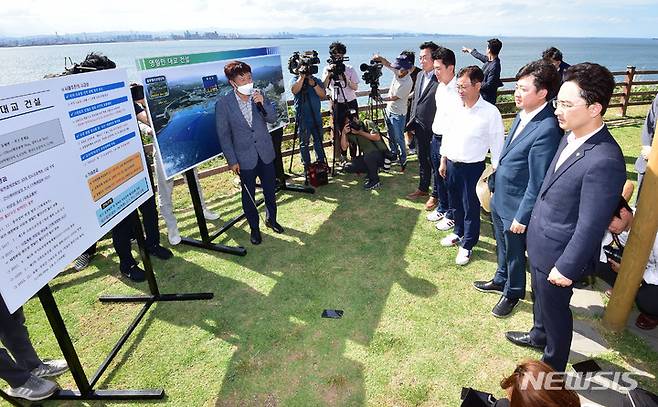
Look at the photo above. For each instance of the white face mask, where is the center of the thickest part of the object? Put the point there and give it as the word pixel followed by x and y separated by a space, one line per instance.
pixel 246 89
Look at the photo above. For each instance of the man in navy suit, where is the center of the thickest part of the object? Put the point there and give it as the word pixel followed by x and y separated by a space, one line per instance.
pixel 527 153
pixel 241 118
pixel 576 200
pixel 423 109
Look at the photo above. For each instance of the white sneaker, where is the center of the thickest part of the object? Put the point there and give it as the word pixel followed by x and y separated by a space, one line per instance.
pixel 174 236
pixel 435 216
pixel 445 224
pixel 463 256
pixel 450 240
pixel 210 215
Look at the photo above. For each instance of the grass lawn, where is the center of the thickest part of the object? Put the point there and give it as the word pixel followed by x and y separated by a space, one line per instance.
pixel 413 333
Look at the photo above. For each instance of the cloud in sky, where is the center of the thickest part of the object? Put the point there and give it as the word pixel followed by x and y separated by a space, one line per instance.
pixel 636 18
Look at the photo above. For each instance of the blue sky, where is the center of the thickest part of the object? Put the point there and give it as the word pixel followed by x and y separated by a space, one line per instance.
pixel 580 18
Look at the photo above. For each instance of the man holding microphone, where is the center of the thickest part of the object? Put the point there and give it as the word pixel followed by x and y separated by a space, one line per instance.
pixel 241 118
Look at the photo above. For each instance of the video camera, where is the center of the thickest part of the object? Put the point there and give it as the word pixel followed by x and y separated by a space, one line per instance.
pixel 303 64
pixel 337 66
pixel 371 73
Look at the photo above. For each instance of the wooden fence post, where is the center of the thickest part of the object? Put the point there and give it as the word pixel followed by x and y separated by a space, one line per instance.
pixel 638 248
pixel 628 86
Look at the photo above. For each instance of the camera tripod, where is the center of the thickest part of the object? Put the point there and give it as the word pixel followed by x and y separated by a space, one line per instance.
pixel 337 129
pixel 316 129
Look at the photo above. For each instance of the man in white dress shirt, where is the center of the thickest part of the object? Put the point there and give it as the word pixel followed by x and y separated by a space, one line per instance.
pixel 476 129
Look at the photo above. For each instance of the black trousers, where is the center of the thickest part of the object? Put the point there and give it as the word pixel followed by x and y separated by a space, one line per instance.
pixel 368 163
pixel 123 232
pixel 647 296
pixel 266 175
pixel 423 140
pixel 339 115
pixel 553 322
pixel 16 340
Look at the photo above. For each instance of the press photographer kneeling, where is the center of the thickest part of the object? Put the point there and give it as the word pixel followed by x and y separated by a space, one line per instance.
pixel 373 152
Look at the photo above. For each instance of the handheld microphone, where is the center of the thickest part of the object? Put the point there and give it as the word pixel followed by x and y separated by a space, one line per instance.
pixel 259 106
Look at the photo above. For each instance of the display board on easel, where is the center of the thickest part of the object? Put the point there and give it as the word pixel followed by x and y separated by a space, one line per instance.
pixel 72 166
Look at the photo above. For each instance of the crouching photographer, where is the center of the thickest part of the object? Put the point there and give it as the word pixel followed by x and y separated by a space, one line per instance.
pixel 308 91
pixel 373 152
pixel 610 261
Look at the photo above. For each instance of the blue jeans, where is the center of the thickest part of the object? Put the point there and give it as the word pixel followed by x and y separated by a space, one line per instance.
pixel 439 188
pixel 395 125
pixel 305 134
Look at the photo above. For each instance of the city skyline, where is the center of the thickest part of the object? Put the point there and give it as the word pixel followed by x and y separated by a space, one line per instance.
pixel 560 18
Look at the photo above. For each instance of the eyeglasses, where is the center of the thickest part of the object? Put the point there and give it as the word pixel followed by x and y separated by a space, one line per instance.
pixel 565 105
pixel 463 87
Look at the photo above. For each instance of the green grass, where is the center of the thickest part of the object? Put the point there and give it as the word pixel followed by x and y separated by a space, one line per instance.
pixel 414 329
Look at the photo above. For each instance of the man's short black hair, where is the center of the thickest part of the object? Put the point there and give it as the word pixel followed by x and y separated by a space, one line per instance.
pixel 429 44
pixel 337 47
pixel 495 45
pixel 445 55
pixel 552 53
pixel 595 81
pixel 545 76
pixel 473 72
pixel 622 205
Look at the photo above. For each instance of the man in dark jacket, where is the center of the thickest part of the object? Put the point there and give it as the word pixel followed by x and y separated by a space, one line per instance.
pixel 574 205
pixel 554 56
pixel 491 69
pixel 529 148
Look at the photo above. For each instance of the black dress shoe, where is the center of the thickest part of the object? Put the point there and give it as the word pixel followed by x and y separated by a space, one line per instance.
pixel 256 238
pixel 274 226
pixel 504 307
pixel 160 252
pixel 488 287
pixel 521 339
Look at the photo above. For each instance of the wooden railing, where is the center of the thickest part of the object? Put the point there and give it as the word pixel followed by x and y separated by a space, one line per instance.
pixel 624 97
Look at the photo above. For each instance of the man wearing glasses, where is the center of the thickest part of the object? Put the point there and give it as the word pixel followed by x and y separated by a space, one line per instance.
pixel 529 148
pixel 477 128
pixel 575 203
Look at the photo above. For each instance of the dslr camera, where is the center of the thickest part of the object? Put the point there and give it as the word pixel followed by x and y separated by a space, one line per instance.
pixel 613 253
pixel 303 63
pixel 353 119
pixel 371 73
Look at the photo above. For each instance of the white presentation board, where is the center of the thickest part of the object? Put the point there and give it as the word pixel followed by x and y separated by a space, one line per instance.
pixel 71 167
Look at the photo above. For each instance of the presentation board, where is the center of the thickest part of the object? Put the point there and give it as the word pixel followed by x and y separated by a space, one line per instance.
pixel 71 167
pixel 181 92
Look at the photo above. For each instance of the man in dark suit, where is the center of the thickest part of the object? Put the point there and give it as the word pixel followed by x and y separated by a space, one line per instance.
pixel 241 118
pixel 576 200
pixel 527 153
pixel 423 109
pixel 554 56
pixel 491 69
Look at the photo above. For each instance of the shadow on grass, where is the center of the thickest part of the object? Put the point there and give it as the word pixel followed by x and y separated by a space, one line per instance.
pixel 285 352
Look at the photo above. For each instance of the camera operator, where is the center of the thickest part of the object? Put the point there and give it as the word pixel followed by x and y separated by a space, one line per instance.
pixel 341 81
pixel 372 148
pixel 396 103
pixel 308 91
pixel 610 261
